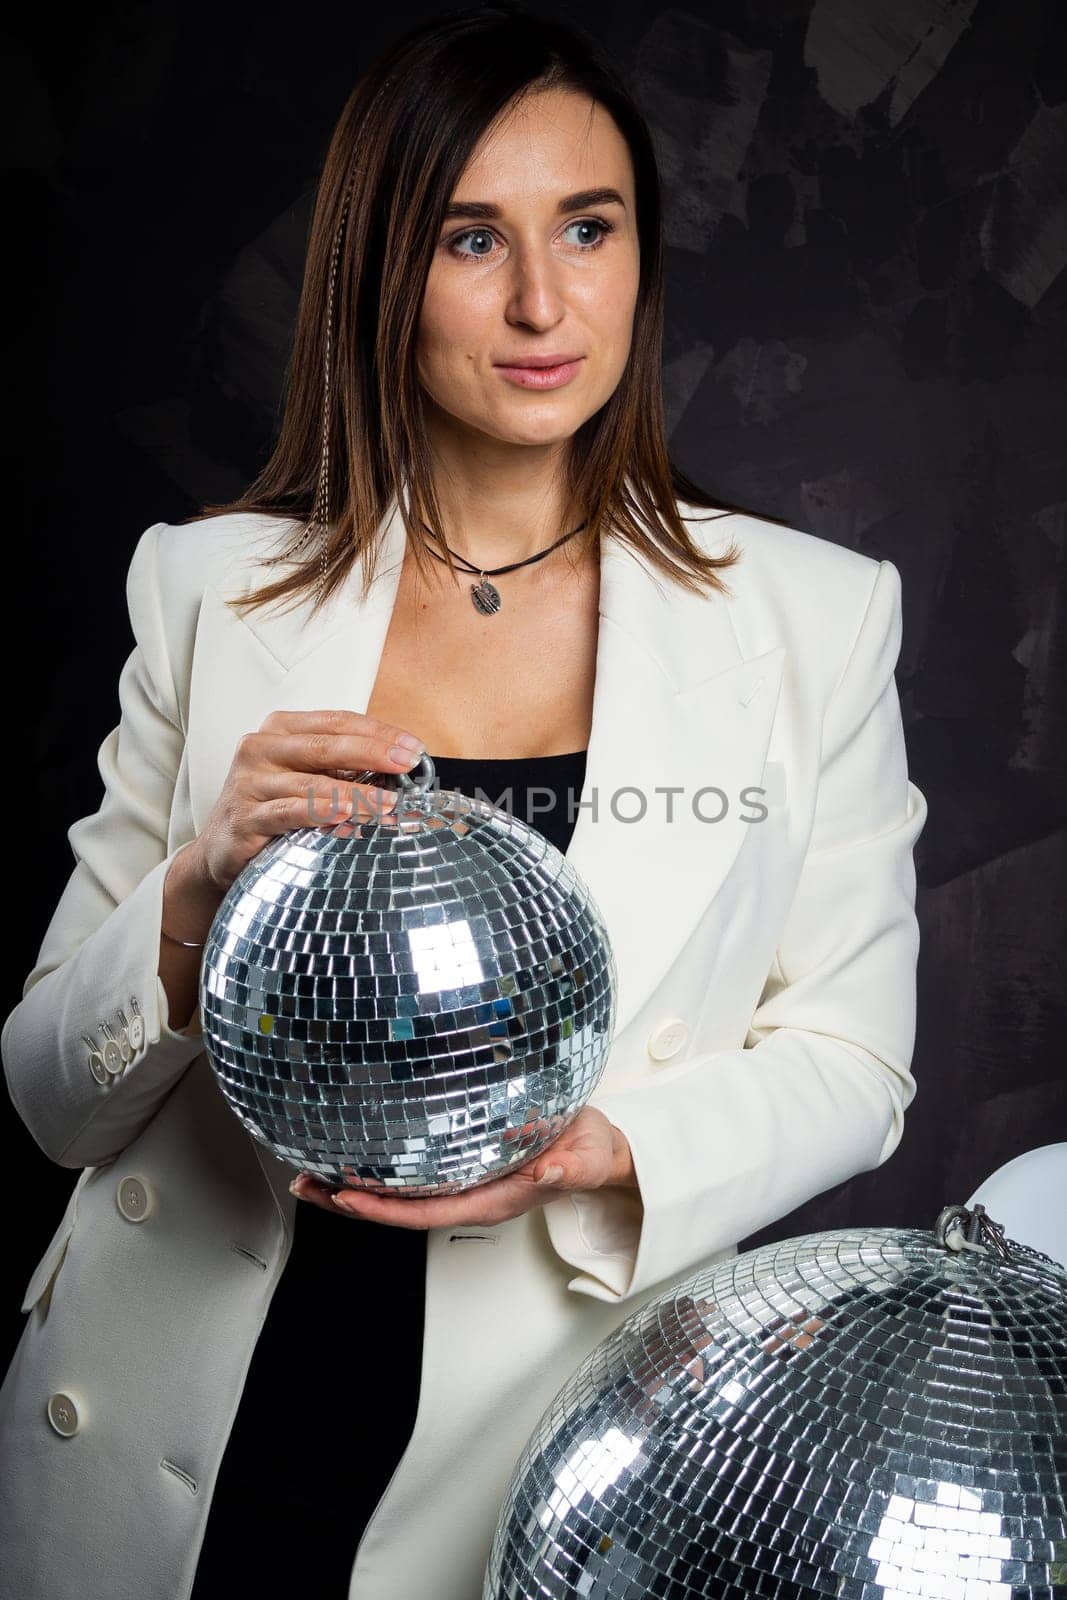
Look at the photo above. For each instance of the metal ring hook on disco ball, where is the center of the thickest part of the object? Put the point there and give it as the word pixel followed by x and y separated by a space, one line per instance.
pixel 424 782
pixel 421 1001
pixel 416 793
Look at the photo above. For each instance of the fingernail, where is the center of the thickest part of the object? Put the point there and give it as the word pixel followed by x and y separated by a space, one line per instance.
pixel 410 742
pixel 404 754
pixel 551 1175
pixel 296 1186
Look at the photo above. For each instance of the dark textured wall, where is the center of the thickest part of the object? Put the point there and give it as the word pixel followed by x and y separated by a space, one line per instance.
pixel 866 229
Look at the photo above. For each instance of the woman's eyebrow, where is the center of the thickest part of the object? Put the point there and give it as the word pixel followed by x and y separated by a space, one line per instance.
pixel 486 211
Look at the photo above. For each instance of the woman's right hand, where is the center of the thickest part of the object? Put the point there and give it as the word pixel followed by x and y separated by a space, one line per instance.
pixel 285 777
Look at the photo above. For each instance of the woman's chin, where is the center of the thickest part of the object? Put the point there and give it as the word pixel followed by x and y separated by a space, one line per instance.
pixel 535 432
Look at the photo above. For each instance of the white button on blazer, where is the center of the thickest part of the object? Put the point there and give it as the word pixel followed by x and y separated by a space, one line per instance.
pixel 667 1038
pixel 761 911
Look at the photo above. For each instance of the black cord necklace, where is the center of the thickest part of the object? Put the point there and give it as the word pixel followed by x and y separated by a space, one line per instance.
pixel 485 595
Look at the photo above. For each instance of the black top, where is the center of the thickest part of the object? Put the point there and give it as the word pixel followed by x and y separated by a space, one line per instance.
pixel 332 1389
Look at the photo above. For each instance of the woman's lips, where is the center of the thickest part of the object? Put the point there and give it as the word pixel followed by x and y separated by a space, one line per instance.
pixel 541 377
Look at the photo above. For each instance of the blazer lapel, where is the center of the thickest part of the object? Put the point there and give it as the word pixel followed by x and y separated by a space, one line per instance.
pixel 676 706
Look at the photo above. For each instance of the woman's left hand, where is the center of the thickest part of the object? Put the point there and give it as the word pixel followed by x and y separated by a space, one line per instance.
pixel 590 1153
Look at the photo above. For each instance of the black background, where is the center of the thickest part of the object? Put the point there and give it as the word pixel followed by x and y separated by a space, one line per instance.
pixel 866 233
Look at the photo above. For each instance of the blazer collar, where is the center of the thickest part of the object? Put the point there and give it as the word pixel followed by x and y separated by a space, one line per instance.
pixel 675 704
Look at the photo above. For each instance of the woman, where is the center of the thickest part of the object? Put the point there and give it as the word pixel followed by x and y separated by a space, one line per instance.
pixel 507 570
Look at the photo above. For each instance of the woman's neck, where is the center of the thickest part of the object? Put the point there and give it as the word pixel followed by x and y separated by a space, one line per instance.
pixel 500 503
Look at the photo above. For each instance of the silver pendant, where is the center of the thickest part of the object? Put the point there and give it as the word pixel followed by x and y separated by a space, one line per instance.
pixel 485 596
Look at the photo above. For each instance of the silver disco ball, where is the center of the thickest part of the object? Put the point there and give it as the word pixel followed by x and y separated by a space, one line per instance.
pixel 421 999
pixel 868 1414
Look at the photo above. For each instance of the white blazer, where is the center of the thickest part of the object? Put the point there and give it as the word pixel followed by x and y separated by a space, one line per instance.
pixel 765 1027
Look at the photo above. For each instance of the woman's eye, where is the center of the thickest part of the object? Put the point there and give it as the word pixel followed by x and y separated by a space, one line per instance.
pixel 593 222
pixel 480 235
pixel 484 237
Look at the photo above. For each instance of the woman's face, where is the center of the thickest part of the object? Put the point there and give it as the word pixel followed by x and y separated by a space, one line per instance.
pixel 526 269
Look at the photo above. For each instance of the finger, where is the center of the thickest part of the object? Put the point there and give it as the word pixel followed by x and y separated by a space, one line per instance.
pixel 310 1185
pixel 289 813
pixel 390 1211
pixel 487 1204
pixel 313 1191
pixel 325 799
pixel 325 752
pixel 338 722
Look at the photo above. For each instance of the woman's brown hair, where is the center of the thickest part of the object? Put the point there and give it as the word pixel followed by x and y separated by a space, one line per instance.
pixel 395 157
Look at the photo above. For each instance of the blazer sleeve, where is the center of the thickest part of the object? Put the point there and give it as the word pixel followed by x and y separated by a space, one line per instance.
pixel 727 1141
pixel 100 951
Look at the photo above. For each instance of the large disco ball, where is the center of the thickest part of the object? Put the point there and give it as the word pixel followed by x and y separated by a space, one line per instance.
pixel 421 999
pixel 867 1414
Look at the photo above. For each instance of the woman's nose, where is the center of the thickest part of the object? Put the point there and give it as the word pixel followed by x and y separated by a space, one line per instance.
pixel 534 290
